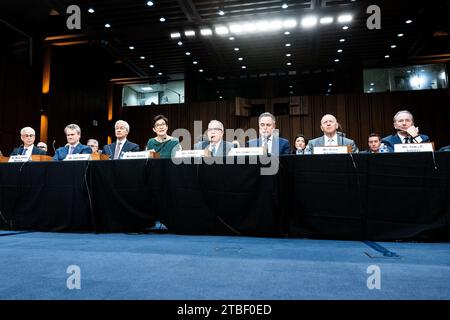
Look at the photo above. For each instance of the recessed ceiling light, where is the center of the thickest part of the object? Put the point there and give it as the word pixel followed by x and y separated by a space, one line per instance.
pixel 345 18
pixel 220 97
pixel 189 33
pixel 149 3
pixel 231 38
pixel 326 20
pixel 284 6
pixel 194 62
pixel 309 22
pixel 131 47
pixel 151 66
pixel 180 43
pixel 342 40
pixel 201 70
pixel 221 12
pixel 236 49
pixel 162 19
pixel 107 25
pixel 336 60
pixel 244 67
pixel 206 32
pixel 147 88
pixel 240 59
pixel 393 46
pixel 91 10
pixel 340 50
pixel 400 35
pixel 175 35
pixel 222 30
pixel 287 45
pixel 291 92
pixel 142 57
pixel 287 33
pixel 330 84
pixel 290 87
pixel 345 27
pixel 387 56
pixel 372 84
pixel 288 54
pixel 159 73
pixel 289 63
pixel 408 21
pixel 188 53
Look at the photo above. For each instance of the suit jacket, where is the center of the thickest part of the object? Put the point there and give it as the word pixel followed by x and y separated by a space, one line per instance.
pixel 283 145
pixel 320 142
pixel 61 153
pixel 36 151
pixel 225 147
pixel 393 139
pixel 129 146
pixel 445 149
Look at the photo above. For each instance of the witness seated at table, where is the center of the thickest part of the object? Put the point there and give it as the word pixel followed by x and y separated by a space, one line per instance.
pixel 331 136
pixel 93 144
pixel 42 145
pixel 300 143
pixel 164 144
pixel 27 135
pixel 406 132
pixel 274 144
pixel 215 144
pixel 73 146
pixel 116 149
pixel 374 143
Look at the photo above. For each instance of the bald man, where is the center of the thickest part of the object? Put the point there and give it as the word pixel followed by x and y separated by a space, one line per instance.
pixel 331 137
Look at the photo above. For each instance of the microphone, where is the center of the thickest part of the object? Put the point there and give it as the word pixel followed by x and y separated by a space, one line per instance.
pixel 53 145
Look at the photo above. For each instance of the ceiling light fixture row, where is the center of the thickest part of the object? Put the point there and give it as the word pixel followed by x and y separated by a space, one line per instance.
pixel 262 26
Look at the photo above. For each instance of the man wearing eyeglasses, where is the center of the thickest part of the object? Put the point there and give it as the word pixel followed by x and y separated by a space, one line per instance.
pixel 28 148
pixel 215 144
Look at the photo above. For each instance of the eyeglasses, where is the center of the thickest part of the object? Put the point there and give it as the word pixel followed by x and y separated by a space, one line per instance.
pixel 214 129
pixel 28 135
pixel 159 125
pixel 92 146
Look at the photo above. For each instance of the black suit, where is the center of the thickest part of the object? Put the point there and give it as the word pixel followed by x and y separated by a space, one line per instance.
pixel 129 146
pixel 36 151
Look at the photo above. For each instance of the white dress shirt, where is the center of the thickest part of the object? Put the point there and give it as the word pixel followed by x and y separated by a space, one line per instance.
pixel 331 142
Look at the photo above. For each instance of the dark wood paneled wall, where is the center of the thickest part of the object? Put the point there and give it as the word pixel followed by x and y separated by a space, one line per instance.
pixel 358 114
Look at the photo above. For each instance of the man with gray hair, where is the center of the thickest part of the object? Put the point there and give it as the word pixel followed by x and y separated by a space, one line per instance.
pixel 273 143
pixel 406 132
pixel 28 135
pixel 215 143
pixel 73 146
pixel 116 149
pixel 93 144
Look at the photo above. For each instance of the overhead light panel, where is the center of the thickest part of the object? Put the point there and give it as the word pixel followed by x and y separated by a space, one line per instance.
pixel 326 20
pixel 175 35
pixel 220 30
pixel 345 18
pixel 189 33
pixel 206 32
pixel 309 22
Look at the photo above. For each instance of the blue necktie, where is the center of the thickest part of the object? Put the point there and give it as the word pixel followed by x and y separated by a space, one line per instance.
pixel 24 152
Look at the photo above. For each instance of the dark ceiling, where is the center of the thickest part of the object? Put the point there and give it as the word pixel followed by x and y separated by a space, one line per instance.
pixel 134 23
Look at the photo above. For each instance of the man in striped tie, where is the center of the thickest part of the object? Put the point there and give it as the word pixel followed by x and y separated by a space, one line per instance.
pixel 73 134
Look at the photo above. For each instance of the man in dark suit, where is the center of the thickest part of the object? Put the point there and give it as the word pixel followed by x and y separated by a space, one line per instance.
pixel 27 135
pixel 215 143
pixel 374 143
pixel 331 137
pixel 275 145
pixel 406 131
pixel 73 146
pixel 116 149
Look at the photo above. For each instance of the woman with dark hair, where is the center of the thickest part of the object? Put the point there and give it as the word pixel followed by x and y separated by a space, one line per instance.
pixel 164 144
pixel 300 143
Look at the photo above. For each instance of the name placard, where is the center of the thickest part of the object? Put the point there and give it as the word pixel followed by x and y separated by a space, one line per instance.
pixel 252 151
pixel 78 157
pixel 190 153
pixel 136 155
pixel 19 158
pixel 332 150
pixel 414 147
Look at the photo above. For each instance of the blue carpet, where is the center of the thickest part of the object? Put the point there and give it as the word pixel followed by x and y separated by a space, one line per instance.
pixel 166 266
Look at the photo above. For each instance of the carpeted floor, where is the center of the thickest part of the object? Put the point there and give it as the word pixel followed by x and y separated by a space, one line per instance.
pixel 166 266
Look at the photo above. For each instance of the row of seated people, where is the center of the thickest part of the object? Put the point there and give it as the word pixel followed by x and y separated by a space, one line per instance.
pixel 166 145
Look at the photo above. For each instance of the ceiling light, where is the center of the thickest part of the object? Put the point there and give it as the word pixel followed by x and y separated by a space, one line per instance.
pixel 387 56
pixel 330 84
pixel 340 50
pixel 393 46
pixel 289 23
pixel 151 66
pixel 147 88
pixel 244 67
pixel 342 40
pixel 149 3
pixel 309 22
pixel 287 45
pixel 408 21
pixel 142 57
pixel 326 20
pixel 345 27
pixel 443 75
pixel 236 28
pixel 287 33
pixel 284 6
pixel 289 63
pixel 201 70
pixel 162 19
pixel 236 49
pixel 400 35
pixel 188 53
pixel 336 60
pixel 288 54
pixel 189 33
pixel 107 25
pixel 206 32
pixel 240 59
pixel 231 38
pixel 180 43
pixel 91 10
pixel 221 12
pixel 194 62
pixel 220 97
pixel 372 84
pixel 249 27
pixel 221 30
pixel 131 47
pixel 175 35
pixel 160 74
pixel 345 18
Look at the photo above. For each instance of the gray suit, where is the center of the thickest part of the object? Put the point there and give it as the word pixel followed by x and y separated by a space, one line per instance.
pixel 320 142
pixel 225 147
